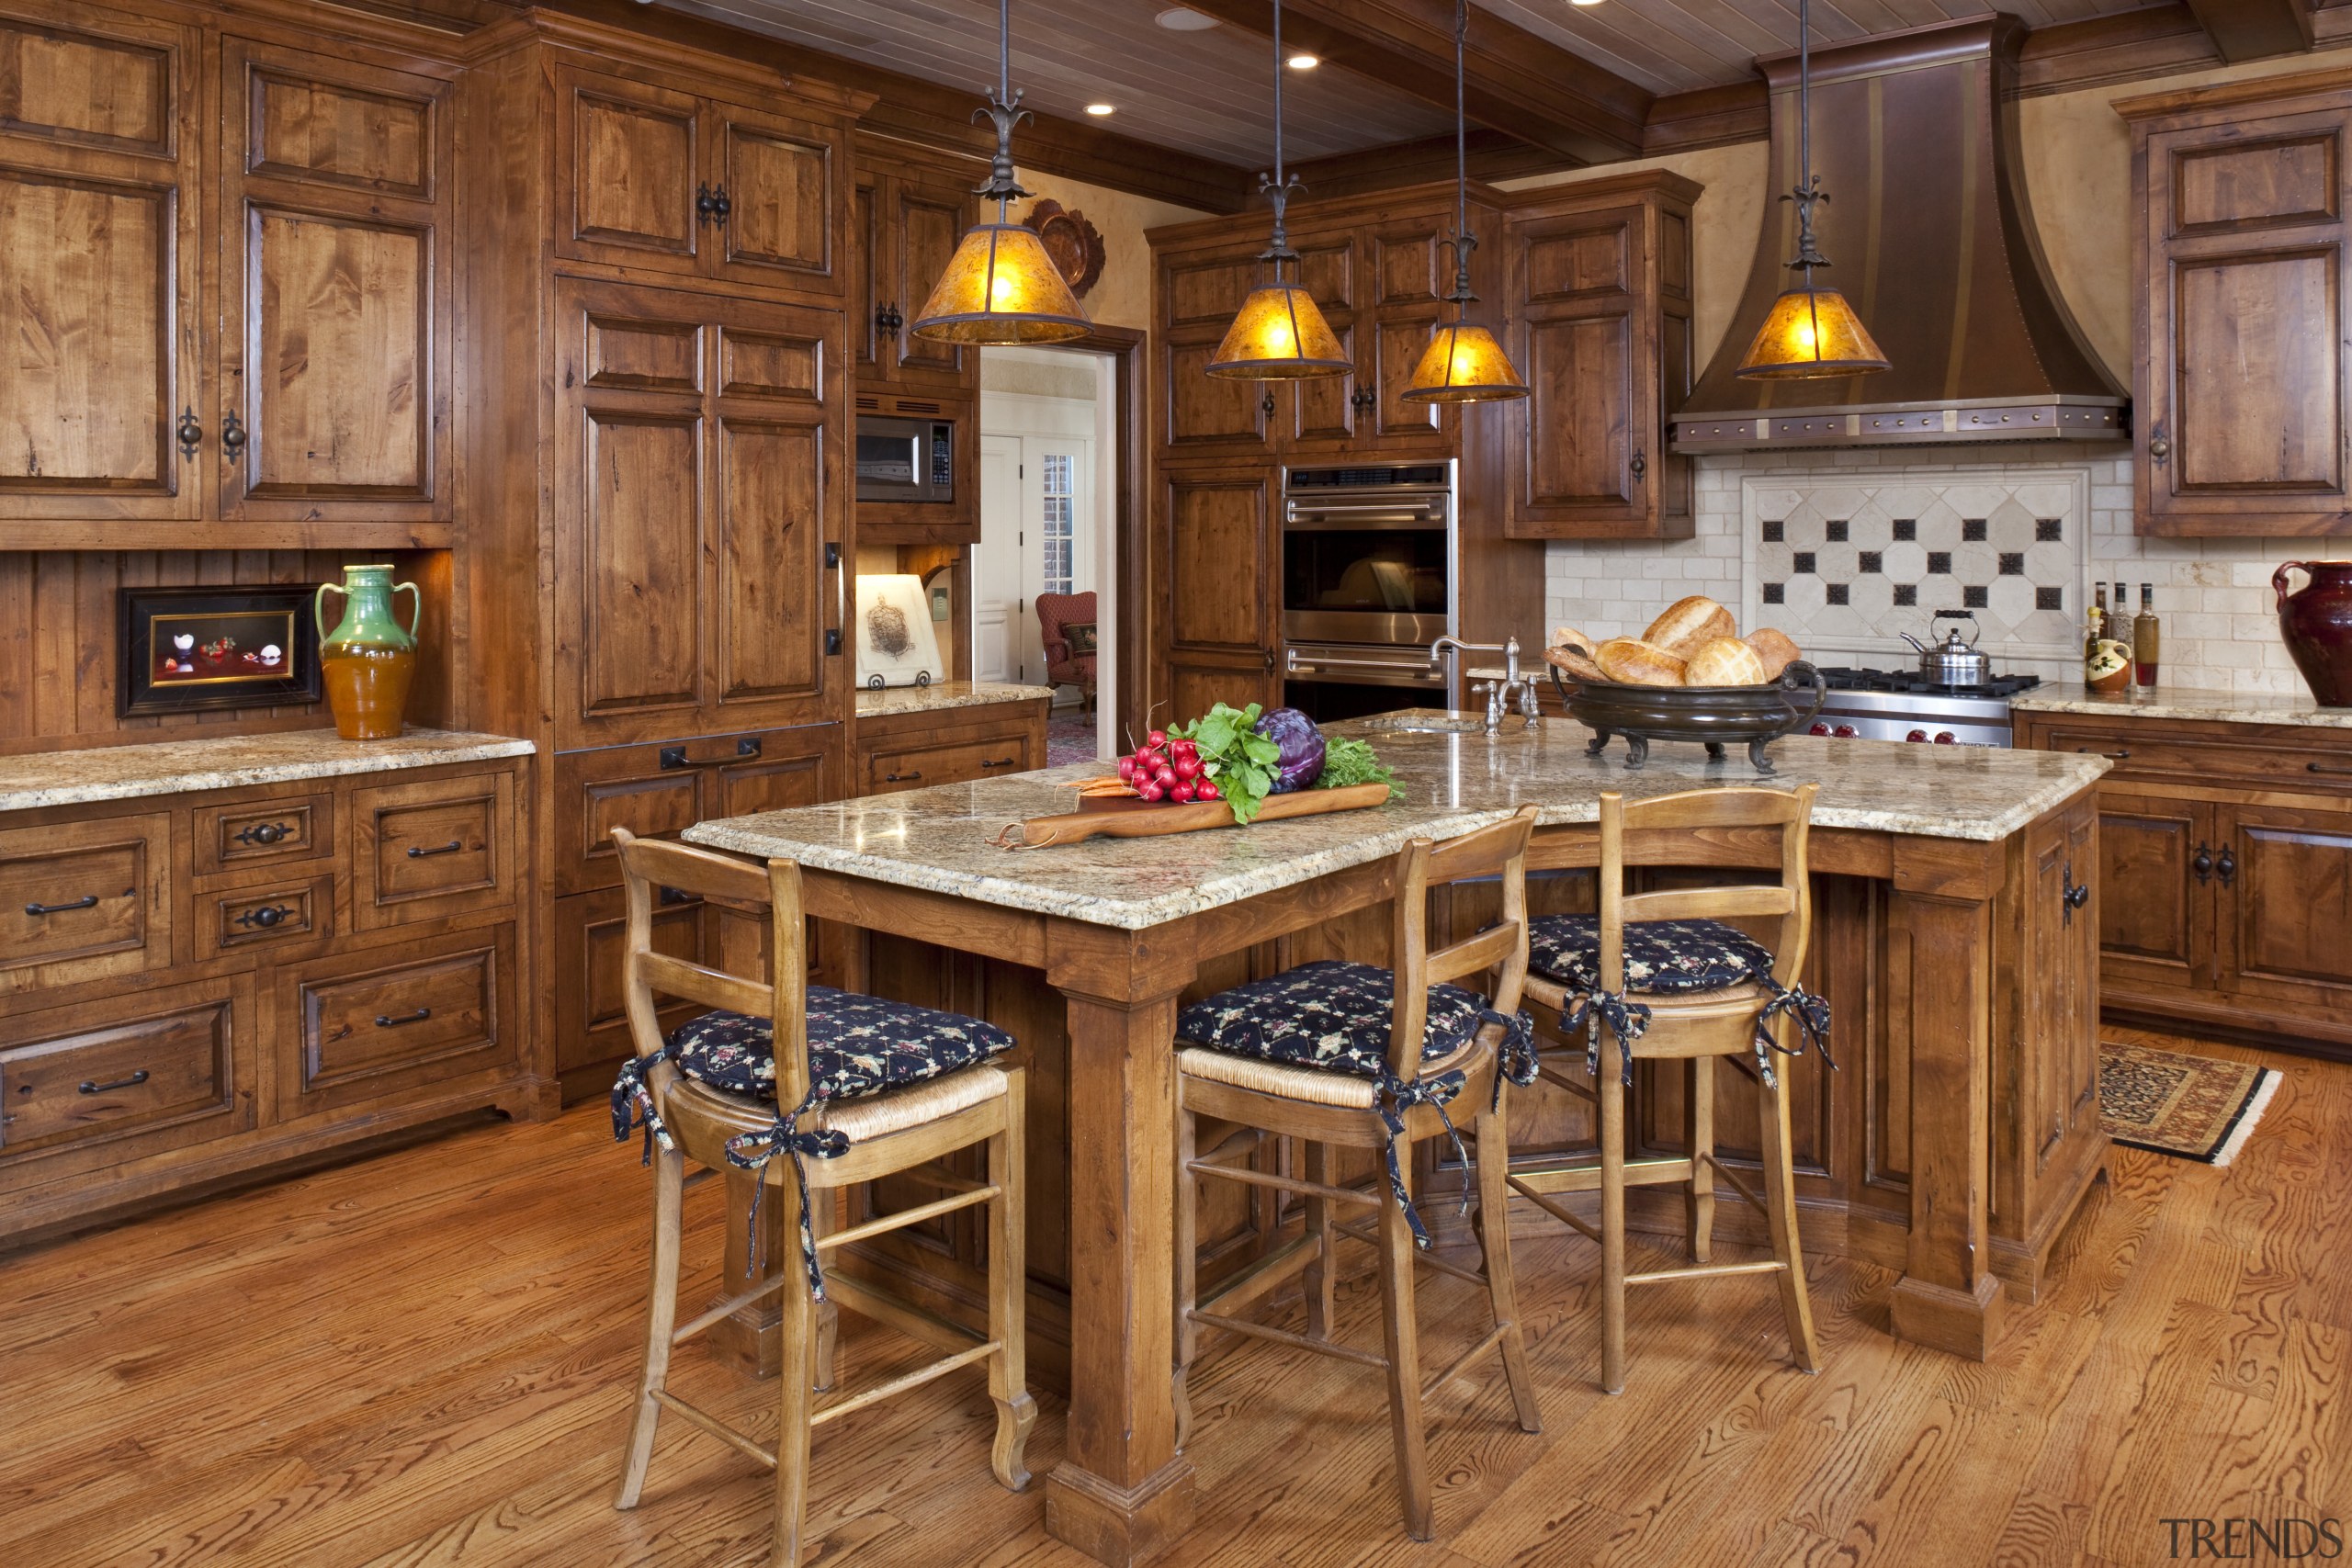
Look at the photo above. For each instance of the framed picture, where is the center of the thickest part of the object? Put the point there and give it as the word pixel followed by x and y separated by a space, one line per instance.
pixel 183 648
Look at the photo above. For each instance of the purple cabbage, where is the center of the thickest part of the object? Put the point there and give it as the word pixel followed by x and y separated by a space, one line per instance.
pixel 1301 763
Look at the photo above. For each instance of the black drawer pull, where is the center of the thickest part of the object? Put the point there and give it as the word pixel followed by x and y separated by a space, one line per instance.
pixel 2327 768
pixel 2072 895
pixel 2111 756
pixel 675 756
pixel 419 1016
pixel 675 896
pixel 264 832
pixel 133 1081
pixel 86 901
pixel 1001 762
pixel 265 916
pixel 417 852
pixel 903 778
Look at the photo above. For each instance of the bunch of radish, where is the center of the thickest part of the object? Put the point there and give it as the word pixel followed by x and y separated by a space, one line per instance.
pixel 1162 768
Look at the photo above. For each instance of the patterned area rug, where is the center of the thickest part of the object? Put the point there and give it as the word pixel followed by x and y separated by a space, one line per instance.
pixel 1070 737
pixel 2174 1103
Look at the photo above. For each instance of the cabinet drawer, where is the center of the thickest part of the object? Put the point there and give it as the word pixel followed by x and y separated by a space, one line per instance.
pixel 890 769
pixel 659 791
pixel 443 1010
pixel 295 913
pixel 2286 763
pixel 83 900
pixel 264 832
pixel 428 850
pixel 126 1068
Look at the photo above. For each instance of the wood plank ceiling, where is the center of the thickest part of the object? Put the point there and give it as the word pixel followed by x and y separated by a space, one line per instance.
pixel 1552 84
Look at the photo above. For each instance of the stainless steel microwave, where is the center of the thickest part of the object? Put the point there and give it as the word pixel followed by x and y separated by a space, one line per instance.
pixel 906 460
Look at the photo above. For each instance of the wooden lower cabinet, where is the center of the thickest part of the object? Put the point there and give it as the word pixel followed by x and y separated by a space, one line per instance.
pixel 916 751
pixel 270 973
pixel 2225 874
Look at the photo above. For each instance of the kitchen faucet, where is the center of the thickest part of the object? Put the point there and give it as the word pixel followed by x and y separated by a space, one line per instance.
pixel 1511 691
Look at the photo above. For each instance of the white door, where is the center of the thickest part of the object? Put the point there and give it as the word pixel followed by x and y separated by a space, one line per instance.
pixel 997 587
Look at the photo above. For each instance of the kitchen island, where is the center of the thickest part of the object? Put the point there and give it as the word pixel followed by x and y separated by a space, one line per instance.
pixel 1952 938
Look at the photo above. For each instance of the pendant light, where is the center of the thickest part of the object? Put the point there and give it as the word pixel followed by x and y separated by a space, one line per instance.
pixel 1464 363
pixel 1812 331
pixel 1280 335
pixel 1000 286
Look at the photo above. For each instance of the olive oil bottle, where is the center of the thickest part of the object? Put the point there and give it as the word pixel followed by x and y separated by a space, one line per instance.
pixel 2147 640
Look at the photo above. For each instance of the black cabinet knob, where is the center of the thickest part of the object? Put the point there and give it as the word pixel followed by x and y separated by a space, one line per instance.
pixel 190 433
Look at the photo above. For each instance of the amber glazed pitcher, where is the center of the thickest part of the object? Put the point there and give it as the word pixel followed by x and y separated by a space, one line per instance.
pixel 369 658
pixel 2316 621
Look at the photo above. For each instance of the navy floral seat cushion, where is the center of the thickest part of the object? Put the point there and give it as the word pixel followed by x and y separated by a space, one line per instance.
pixel 857 1045
pixel 1334 1016
pixel 1664 958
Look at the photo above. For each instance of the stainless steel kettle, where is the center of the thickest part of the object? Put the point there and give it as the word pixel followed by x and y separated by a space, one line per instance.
pixel 1950 662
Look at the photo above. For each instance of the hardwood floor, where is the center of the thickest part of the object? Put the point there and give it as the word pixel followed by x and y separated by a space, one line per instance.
pixel 427 1358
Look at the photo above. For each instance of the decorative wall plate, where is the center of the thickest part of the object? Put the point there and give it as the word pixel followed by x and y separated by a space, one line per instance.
pixel 1075 244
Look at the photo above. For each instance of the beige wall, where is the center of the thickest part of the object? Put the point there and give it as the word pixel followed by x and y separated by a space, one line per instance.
pixel 1122 296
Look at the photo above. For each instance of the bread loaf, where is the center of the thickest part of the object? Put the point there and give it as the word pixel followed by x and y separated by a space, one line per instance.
pixel 1635 662
pixel 1727 662
pixel 1576 663
pixel 1773 646
pixel 1691 623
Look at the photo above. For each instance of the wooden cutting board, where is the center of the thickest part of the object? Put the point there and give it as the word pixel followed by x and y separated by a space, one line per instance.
pixel 1148 822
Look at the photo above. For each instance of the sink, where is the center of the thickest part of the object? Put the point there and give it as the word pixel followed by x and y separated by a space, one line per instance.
pixel 1433 723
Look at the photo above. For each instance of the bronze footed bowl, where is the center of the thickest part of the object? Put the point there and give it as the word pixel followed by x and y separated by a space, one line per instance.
pixel 1715 717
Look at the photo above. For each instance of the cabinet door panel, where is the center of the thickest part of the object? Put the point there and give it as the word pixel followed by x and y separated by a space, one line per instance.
pixel 112 83
pixel 2155 922
pixel 302 128
pixel 929 219
pixel 777 175
pixel 628 166
pixel 1205 414
pixel 868 277
pixel 2290 904
pixel 641 562
pixel 1217 540
pixel 2257 372
pixel 1582 371
pixel 770 522
pixel 342 318
pixel 94 384
pixel 1324 412
pixel 1397 342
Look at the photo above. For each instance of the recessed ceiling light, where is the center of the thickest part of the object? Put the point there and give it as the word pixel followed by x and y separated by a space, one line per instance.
pixel 1305 62
pixel 1177 19
pixel 1584 2
pixel 1101 108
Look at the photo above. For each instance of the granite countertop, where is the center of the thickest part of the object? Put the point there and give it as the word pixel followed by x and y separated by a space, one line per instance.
pixel 2188 703
pixel 872 704
pixel 229 761
pixel 938 838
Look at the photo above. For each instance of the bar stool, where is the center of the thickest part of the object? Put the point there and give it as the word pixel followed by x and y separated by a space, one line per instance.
pixel 846 1088
pixel 1712 991
pixel 1338 1055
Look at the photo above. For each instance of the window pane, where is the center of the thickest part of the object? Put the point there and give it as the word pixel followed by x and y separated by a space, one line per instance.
pixel 1055 532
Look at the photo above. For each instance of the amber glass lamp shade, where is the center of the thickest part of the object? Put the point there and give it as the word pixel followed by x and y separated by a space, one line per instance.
pixel 1811 332
pixel 1002 286
pixel 1280 335
pixel 1463 364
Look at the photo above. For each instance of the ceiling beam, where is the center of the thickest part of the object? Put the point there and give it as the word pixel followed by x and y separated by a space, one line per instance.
pixel 910 109
pixel 1516 83
pixel 1492 156
pixel 2255 29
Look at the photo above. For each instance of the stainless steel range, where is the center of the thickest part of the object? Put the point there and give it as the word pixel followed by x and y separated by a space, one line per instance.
pixel 1900 704
pixel 1368 584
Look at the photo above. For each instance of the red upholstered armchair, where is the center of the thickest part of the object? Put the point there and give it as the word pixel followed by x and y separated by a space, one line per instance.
pixel 1067 623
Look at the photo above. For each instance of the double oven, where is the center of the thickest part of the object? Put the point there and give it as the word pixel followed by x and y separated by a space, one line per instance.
pixel 1368 576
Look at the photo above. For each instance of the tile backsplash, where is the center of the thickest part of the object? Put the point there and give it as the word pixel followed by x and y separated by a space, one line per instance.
pixel 2015 534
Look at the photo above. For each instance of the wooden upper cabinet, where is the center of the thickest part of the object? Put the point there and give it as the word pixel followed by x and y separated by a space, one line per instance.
pixel 649 177
pixel 1410 273
pixel 1197 294
pixel 99 212
pixel 1600 288
pixel 336 282
pixel 698 455
pixel 908 217
pixel 2240 378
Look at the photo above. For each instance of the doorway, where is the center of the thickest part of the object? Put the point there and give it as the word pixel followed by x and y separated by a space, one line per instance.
pixel 1051 493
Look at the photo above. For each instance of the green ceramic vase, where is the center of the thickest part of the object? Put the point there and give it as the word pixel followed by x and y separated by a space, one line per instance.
pixel 369 659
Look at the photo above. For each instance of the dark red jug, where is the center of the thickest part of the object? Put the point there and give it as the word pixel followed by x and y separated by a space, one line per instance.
pixel 2316 621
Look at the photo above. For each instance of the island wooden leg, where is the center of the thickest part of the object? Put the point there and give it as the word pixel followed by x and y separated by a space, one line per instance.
pixel 1939 983
pixel 1123 1493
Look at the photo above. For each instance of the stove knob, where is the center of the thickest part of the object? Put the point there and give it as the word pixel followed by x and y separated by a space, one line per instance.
pixel 1946 737
pixel 1916 735
pixel 1846 732
pixel 1818 729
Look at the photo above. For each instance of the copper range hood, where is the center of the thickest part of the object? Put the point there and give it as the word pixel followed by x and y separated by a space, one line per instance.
pixel 1914 136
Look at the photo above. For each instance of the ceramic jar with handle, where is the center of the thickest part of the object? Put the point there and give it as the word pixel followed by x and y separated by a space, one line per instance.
pixel 369 659
pixel 2316 621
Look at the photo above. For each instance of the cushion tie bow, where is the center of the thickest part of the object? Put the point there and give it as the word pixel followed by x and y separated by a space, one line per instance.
pixel 753 1151
pixel 1628 1021
pixel 1811 1015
